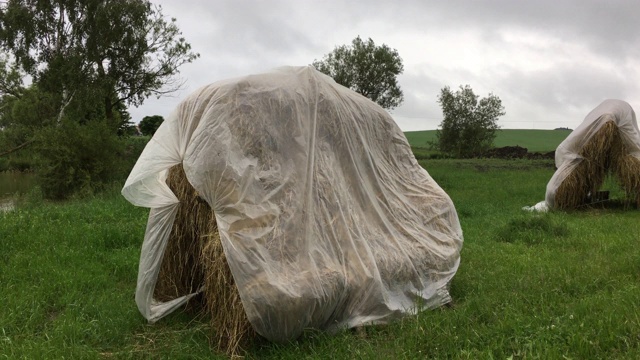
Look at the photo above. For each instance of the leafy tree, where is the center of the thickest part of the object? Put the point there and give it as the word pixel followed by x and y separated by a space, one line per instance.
pixel 73 164
pixel 149 124
pixel 469 126
pixel 11 90
pixel 128 129
pixel 111 52
pixel 88 60
pixel 21 117
pixel 10 79
pixel 367 69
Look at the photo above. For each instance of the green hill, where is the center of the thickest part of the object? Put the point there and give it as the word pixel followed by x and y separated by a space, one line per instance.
pixel 534 140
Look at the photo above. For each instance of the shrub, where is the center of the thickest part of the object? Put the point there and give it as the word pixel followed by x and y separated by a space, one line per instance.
pixel 4 164
pixel 78 158
pixel 469 125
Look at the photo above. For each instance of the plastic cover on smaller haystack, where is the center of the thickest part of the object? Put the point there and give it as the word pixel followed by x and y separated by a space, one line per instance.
pixel 568 152
pixel 325 217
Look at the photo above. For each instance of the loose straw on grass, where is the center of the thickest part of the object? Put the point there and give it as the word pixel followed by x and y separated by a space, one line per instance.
pixel 181 271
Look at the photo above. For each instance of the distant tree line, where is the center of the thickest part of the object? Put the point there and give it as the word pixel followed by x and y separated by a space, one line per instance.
pixel 89 60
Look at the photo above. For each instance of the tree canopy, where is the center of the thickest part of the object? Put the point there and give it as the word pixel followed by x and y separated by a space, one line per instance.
pixel 10 78
pixel 469 125
pixel 111 52
pixel 86 61
pixel 367 69
pixel 149 124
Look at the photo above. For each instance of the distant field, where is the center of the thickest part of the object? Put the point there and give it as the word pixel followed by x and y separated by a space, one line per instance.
pixel 534 140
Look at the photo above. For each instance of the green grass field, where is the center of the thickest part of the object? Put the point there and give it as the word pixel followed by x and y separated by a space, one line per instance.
pixel 534 140
pixel 561 285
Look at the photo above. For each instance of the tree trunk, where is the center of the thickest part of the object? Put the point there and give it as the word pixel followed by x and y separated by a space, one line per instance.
pixel 108 107
pixel 108 100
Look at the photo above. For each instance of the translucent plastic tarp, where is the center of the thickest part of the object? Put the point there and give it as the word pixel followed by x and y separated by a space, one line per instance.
pixel 325 217
pixel 568 152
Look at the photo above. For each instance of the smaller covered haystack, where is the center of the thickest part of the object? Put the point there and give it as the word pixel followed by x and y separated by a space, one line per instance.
pixel 284 201
pixel 607 143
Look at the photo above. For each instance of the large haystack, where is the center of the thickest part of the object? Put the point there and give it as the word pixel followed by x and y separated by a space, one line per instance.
pixel 323 217
pixel 607 143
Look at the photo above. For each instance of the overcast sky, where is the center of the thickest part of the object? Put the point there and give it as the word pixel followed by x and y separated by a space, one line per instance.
pixel 551 62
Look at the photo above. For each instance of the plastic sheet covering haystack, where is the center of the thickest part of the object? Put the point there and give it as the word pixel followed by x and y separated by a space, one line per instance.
pixel 568 156
pixel 325 217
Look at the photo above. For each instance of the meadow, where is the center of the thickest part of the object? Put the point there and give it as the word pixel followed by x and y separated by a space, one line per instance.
pixel 558 285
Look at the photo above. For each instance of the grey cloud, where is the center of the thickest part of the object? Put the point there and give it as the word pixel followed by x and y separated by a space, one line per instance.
pixel 239 37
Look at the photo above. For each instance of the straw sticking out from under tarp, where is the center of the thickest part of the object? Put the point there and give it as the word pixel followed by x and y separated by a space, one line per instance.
pixel 626 168
pixel 194 259
pixel 603 153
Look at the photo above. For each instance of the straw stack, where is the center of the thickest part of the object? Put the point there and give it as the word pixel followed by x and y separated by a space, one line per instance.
pixel 603 154
pixel 627 171
pixel 194 259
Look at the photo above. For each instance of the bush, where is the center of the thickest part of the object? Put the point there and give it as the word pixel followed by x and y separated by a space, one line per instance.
pixel 19 164
pixel 31 199
pixel 133 146
pixel 469 125
pixel 78 158
pixel 421 153
pixel 149 124
pixel 438 156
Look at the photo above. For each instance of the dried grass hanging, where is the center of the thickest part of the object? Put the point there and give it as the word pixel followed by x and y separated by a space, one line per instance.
pixel 194 259
pixel 604 153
